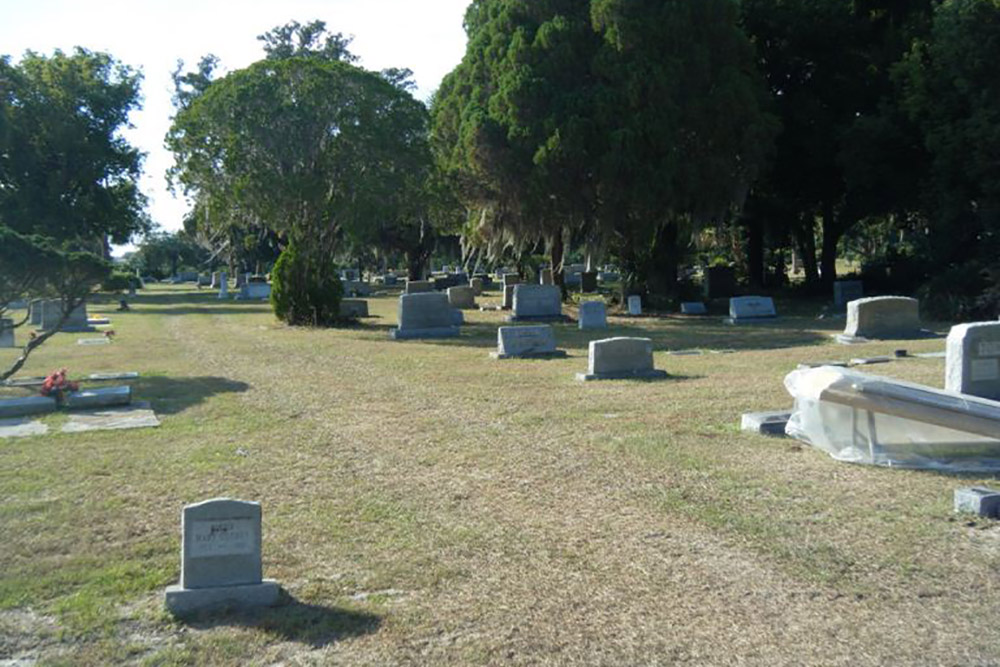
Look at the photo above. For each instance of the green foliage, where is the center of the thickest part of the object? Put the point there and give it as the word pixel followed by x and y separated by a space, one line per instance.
pixel 65 170
pixel 162 254
pixel 305 290
pixel 118 281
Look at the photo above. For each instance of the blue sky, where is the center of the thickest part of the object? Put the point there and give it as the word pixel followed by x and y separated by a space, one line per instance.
pixel 152 35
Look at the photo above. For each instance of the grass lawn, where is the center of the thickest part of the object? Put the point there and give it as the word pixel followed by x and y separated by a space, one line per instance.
pixel 426 504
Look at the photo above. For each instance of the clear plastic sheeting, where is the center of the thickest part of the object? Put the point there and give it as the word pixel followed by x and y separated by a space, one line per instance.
pixel 877 420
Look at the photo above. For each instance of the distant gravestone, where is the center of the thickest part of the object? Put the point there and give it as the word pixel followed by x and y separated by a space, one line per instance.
pixel 972 364
pixel 536 302
pixel 508 297
pixel 593 315
pixel 720 282
pixel 241 278
pixel 526 342
pixel 588 281
pixel 545 277
pixel 462 297
pixel 223 285
pixel 693 308
pixel 253 291
pixel 635 305
pixel 24 407
pixel 477 286
pixel 571 278
pixel 621 358
pixel 215 280
pixel 6 332
pixel 892 317
pixel 51 312
pixel 35 309
pixel 353 308
pixel 356 288
pixel 205 280
pixel 749 308
pixel 221 559
pixel 389 279
pixel 425 315
pixel 978 500
pixel 419 286
pixel 845 291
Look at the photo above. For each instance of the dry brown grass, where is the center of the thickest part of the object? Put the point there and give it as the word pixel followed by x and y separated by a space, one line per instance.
pixel 426 504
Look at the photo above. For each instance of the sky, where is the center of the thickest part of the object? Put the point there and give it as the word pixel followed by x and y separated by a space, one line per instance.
pixel 152 35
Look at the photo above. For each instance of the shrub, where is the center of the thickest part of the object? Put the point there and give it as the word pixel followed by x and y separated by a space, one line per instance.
pixel 305 290
pixel 117 282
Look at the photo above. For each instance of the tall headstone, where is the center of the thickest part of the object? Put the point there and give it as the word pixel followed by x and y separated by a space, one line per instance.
pixel 215 280
pixel 526 342
pixel 845 291
pixel 221 558
pixel 537 302
pixel 508 297
pixel 6 332
pixel 621 358
pixel 588 281
pixel 477 286
pixel 35 309
pixel 972 364
pixel 593 315
pixel 882 317
pixel 241 278
pixel 635 305
pixel 461 297
pixel 419 286
pixel 719 282
pixel 750 308
pixel 51 312
pixel 223 285
pixel 545 277
pixel 425 315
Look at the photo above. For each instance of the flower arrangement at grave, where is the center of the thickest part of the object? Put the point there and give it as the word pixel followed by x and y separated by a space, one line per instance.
pixel 56 385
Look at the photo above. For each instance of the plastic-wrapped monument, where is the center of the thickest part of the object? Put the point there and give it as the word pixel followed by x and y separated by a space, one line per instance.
pixel 877 420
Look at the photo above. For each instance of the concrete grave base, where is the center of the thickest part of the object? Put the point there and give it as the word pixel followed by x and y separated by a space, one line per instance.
pixel 538 318
pixel 21 427
pixel 978 500
pixel 847 339
pixel 137 415
pixel 817 364
pixel 436 332
pixel 738 321
pixel 93 341
pixel 183 601
pixel 25 407
pixel 555 354
pixel 866 361
pixel 766 423
pixel 653 374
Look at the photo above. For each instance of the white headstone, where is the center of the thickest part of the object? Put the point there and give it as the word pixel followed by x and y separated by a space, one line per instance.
pixel 635 305
pixel 972 365
pixel 751 308
pixel 621 358
pixel 537 302
pixel 593 315
pixel 425 315
pixel 531 341
pixel 883 317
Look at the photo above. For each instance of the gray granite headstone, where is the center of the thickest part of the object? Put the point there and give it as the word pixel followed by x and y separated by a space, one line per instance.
pixel 845 291
pixel 419 286
pixel 537 302
pixel 635 305
pixel 693 308
pixel 978 500
pixel 253 291
pixel 221 558
pixel 99 398
pixel 545 277
pixel 425 315
pixel 477 286
pixel 744 308
pixel 621 358
pixel 6 332
pixel 882 317
pixel 51 312
pixel 223 285
pixel 508 297
pixel 24 407
pixel 353 308
pixel 593 315
pixel 526 342
pixel 972 364
pixel 462 297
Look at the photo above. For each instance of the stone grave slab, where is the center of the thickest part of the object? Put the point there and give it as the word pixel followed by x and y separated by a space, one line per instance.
pixel 103 340
pixel 26 406
pixel 593 315
pixel 744 309
pixel 21 427
pixel 978 500
pixel 98 321
pixel 50 311
pixel 685 353
pixel 534 303
pixel 419 286
pixel 425 315
pixel 254 291
pixel 867 361
pixel 693 308
pixel 221 559
pixel 621 358
pixel 845 291
pixel 526 342
pixel 882 317
pixel 127 375
pixel 6 332
pixel 353 308
pixel 972 364
pixel 138 415
pixel 635 305
pixel 98 398
pixel 766 423
pixel 462 297
pixel 819 364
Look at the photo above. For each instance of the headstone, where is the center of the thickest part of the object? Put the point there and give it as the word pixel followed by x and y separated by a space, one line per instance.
pixel 215 280
pixel 477 286
pixel 545 277
pixel 103 340
pixel 389 279
pixel 221 558
pixel 462 297
pixel 972 365
pixel 621 358
pixel 355 288
pixel 508 297
pixel 720 282
pixel 526 342
pixel 693 308
pixel 98 398
pixel 765 423
pixel 744 308
pixel 978 500
pixel 571 278
pixel 353 308
pixel 419 286
pixel 23 407
pixel 536 302
pixel 425 315
pixel 593 315
pixel 605 277
pixel 845 291
pixel 20 304
pixel 252 291
pixel 223 285
pixel 35 309
pixel 511 279
pixel 882 317
pixel 51 313
pixel 588 281
pixel 635 305
pixel 205 280
pixel 241 278
pixel 6 332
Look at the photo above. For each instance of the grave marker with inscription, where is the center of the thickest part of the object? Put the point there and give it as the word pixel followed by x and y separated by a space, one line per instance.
pixel 526 342
pixel 537 302
pixel 635 305
pixel 744 308
pixel 221 558
pixel 621 358
pixel 972 364
pixel 882 317
pixel 426 315
pixel 593 315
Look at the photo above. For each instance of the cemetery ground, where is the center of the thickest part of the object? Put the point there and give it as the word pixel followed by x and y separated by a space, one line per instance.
pixel 424 503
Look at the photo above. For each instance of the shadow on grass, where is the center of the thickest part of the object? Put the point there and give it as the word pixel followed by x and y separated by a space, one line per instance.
pixel 293 620
pixel 173 395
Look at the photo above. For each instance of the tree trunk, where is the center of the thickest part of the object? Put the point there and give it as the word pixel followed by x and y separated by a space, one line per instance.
pixel 556 250
pixel 805 239
pixel 755 252
pixel 832 231
pixel 662 276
